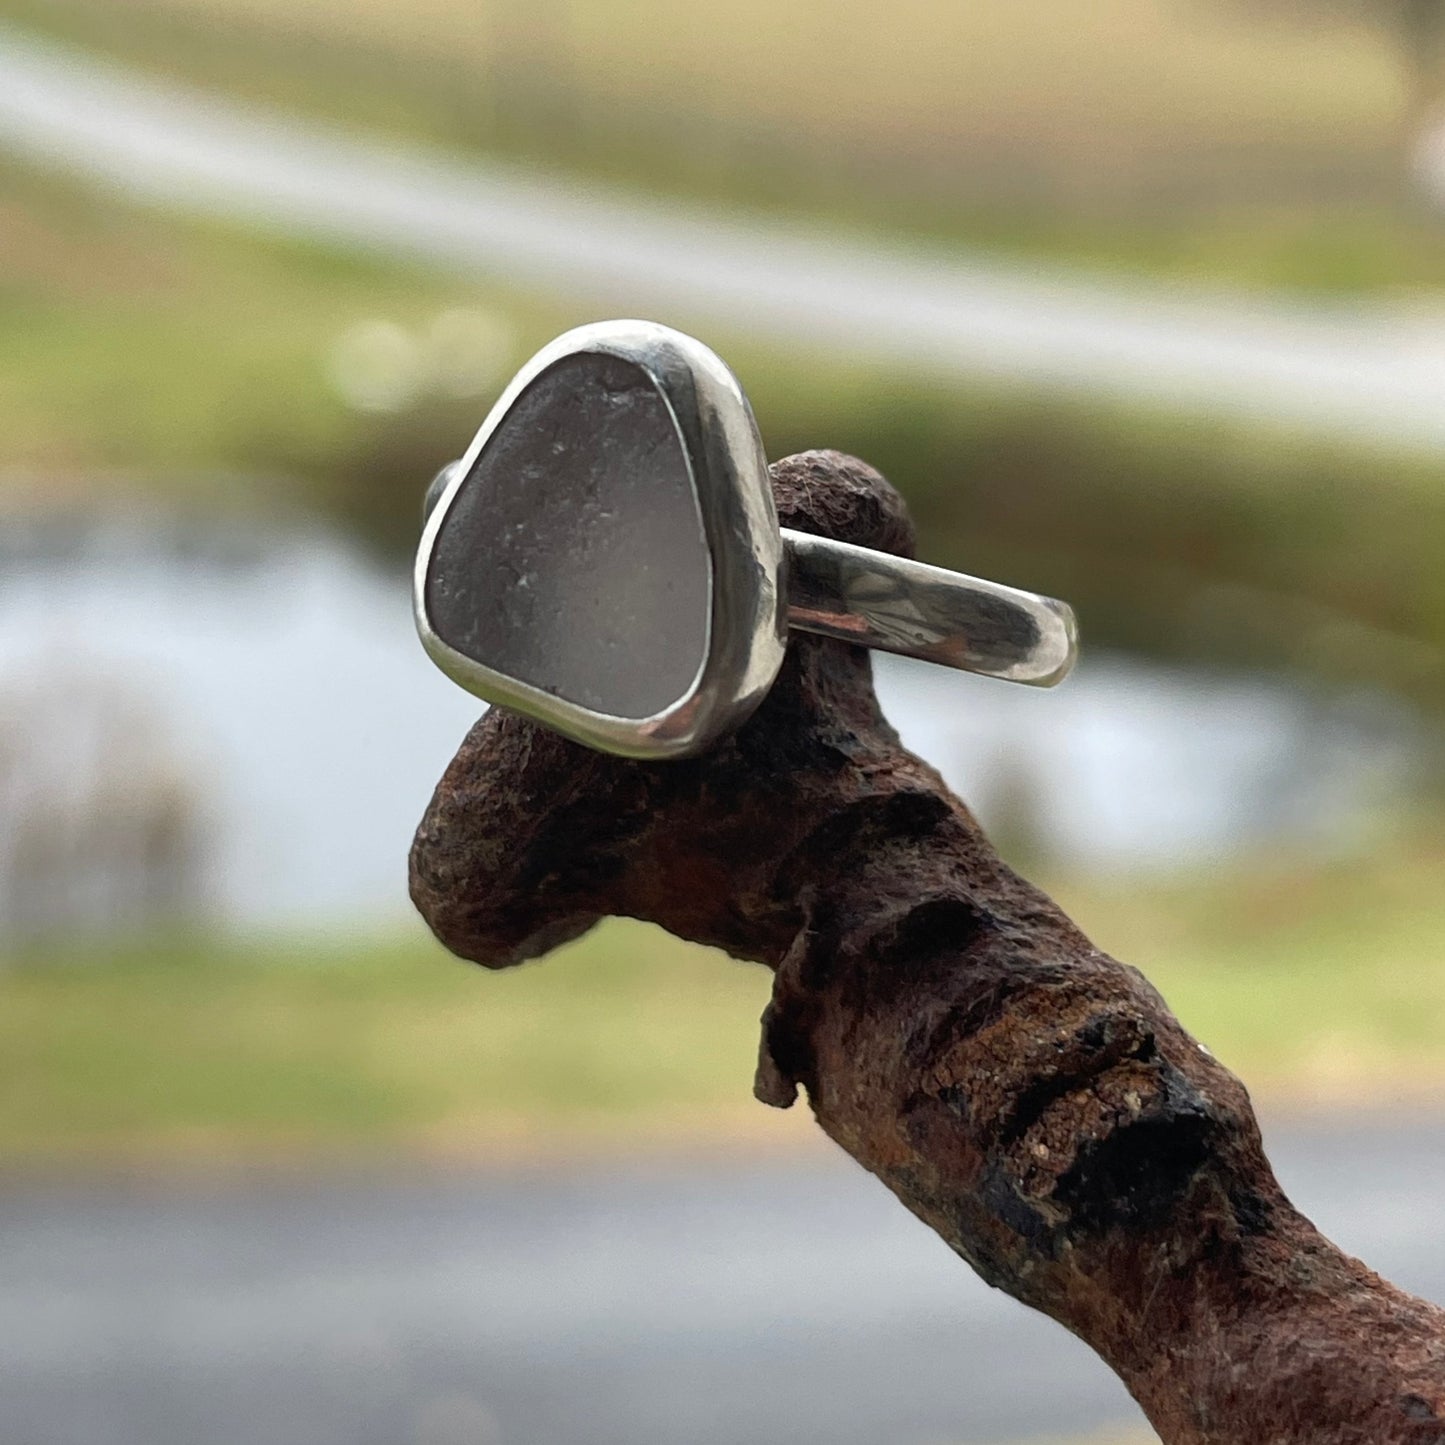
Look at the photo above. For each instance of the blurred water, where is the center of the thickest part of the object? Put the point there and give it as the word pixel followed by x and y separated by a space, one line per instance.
pixel 294 688
pixel 282 681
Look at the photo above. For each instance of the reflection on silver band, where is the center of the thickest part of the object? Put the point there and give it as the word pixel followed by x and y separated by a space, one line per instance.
pixel 893 603
pixel 879 600
pixel 545 580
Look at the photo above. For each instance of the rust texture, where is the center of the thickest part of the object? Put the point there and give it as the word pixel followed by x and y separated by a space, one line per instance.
pixel 1031 1099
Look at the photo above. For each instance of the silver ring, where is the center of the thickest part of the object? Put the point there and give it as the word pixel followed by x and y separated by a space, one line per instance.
pixel 606 558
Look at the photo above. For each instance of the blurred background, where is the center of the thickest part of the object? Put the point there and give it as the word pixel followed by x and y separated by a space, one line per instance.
pixel 1140 303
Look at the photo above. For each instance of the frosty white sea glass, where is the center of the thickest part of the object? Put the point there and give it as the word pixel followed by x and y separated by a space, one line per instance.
pixel 606 558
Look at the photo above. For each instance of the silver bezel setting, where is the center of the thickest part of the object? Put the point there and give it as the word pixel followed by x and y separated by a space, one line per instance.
pixel 747 614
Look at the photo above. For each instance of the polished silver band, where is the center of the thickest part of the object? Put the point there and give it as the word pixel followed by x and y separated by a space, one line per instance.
pixel 878 600
pixel 607 559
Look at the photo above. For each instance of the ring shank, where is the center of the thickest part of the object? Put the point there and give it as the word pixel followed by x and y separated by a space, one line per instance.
pixel 878 600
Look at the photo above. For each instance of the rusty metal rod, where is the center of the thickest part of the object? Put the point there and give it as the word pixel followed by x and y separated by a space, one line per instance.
pixel 1031 1099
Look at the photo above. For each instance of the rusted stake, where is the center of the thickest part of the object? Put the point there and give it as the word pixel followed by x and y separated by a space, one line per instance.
pixel 1029 1098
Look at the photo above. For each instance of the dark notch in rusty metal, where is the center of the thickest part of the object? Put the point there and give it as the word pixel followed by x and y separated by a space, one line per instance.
pixel 1031 1099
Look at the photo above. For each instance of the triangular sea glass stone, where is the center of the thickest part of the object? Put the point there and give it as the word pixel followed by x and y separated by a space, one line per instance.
pixel 573 556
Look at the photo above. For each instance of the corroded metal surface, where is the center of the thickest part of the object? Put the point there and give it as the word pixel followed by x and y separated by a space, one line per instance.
pixel 1030 1098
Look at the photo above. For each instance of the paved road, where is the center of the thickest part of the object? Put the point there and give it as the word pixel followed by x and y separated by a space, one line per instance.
pixel 787 1303
pixel 1366 372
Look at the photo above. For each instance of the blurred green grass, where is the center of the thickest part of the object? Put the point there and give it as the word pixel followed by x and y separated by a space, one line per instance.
pixel 167 347
pixel 202 1046
pixel 1317 985
pixel 172 347
pixel 1199 139
pixel 1317 981
pixel 127 337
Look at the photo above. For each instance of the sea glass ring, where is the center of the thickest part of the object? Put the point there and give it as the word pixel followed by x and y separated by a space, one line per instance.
pixel 606 558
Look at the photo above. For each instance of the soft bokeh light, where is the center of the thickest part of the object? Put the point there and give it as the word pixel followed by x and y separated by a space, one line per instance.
pixel 1140 303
